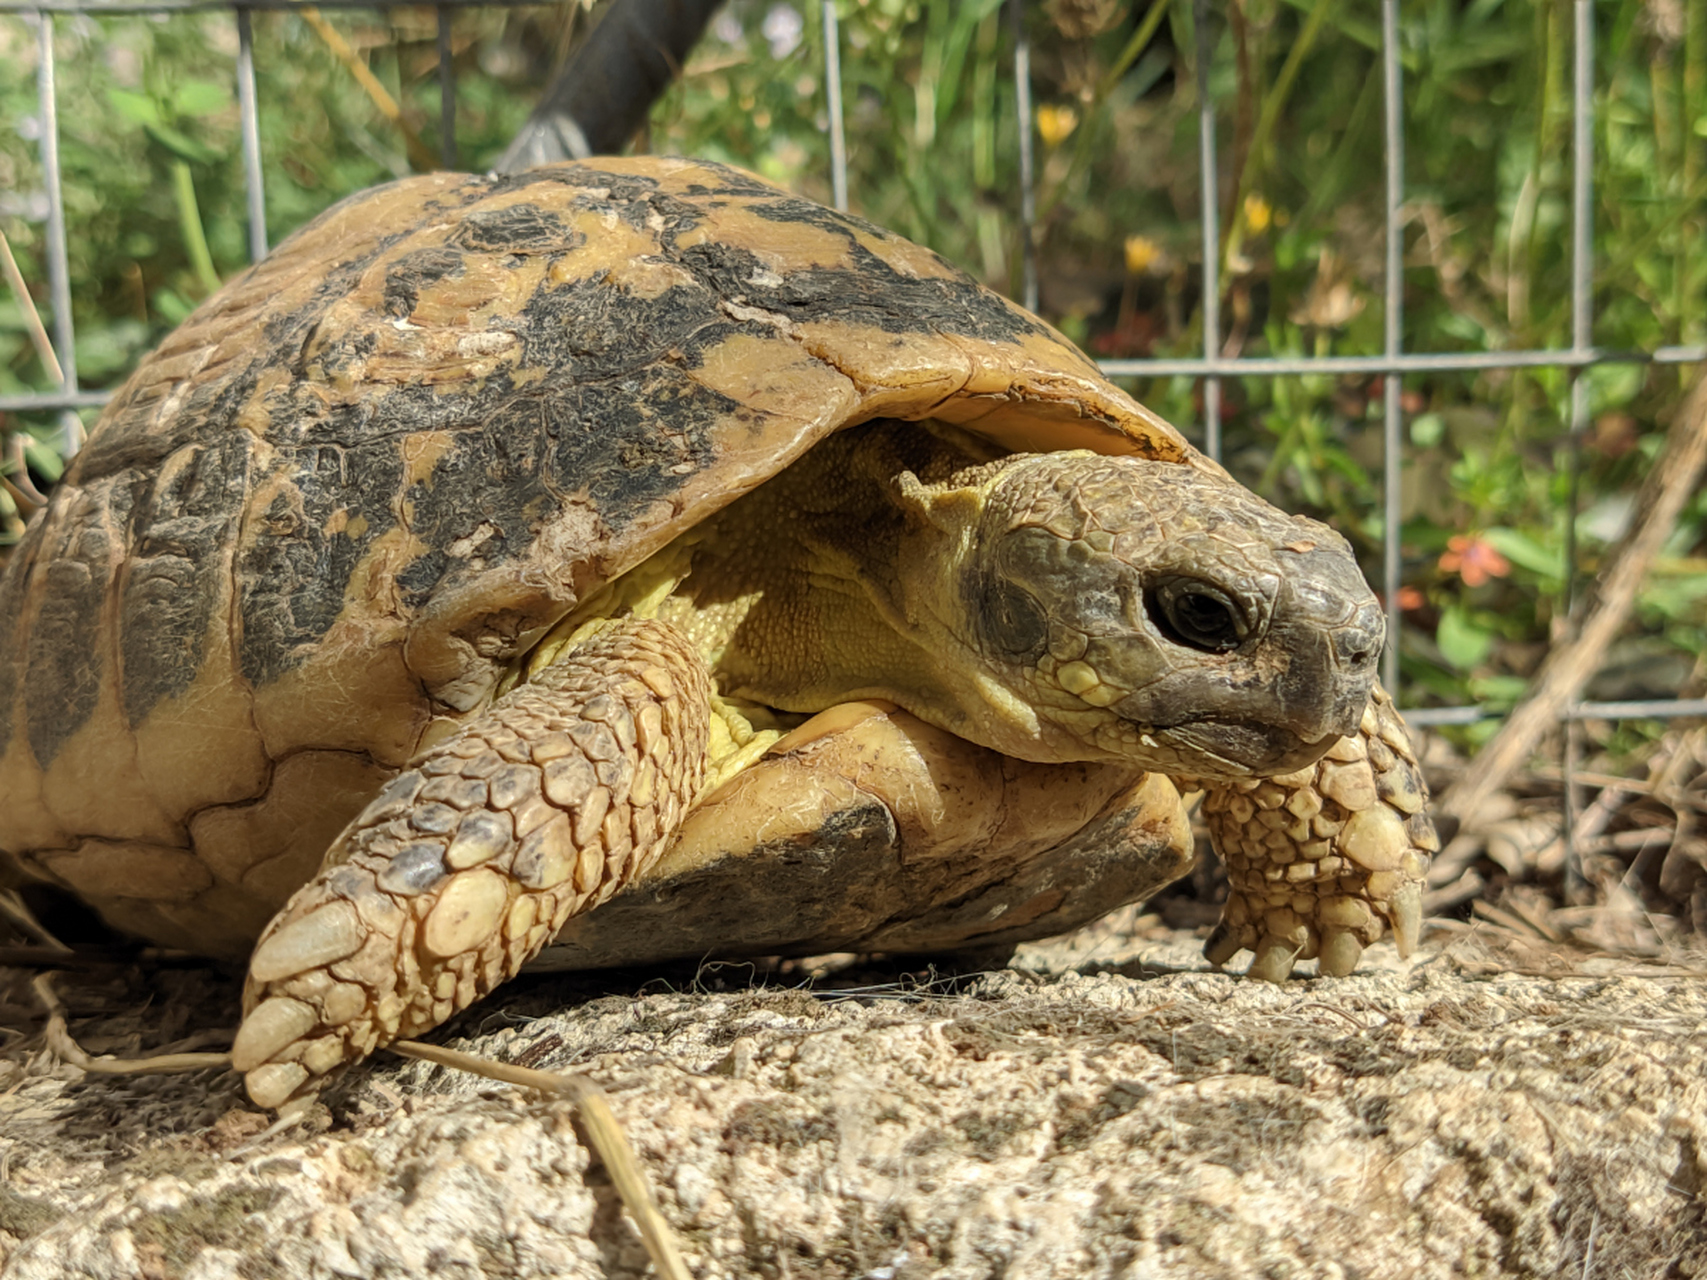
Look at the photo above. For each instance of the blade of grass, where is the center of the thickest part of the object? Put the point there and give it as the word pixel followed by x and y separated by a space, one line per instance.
pixel 190 227
pixel 1267 118
pixel 1693 107
pixel 1082 148
pixel 984 104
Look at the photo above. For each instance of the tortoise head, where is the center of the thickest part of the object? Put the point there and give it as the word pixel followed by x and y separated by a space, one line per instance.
pixel 1120 607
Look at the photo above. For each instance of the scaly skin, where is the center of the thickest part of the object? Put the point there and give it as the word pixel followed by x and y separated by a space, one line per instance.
pixel 1324 859
pixel 466 864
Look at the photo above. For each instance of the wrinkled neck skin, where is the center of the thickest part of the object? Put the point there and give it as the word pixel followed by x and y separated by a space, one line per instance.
pixel 1052 607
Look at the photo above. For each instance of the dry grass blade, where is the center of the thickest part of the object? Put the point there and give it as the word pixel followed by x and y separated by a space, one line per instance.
pixel 420 156
pixel 27 305
pixel 26 503
pixel 59 1040
pixel 603 1129
pixel 17 912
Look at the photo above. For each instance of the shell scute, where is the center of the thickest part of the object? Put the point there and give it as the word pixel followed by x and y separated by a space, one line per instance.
pixel 523 227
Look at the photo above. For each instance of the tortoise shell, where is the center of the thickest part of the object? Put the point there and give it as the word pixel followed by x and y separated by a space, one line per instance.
pixel 317 527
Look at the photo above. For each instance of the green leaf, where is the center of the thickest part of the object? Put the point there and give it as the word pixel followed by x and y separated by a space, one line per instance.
pixel 1427 429
pixel 44 458
pixel 1461 641
pixel 138 108
pixel 1499 692
pixel 172 306
pixel 181 145
pixel 1523 550
pixel 1678 598
pixel 1613 384
pixel 200 98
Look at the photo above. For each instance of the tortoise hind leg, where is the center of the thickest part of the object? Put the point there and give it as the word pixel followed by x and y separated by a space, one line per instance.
pixel 1322 861
pixel 459 871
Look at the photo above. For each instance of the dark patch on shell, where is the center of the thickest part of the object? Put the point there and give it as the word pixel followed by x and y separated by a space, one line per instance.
pixel 873 293
pixel 732 182
pixel 178 573
pixel 64 663
pixel 405 278
pixel 591 329
pixel 297 555
pixel 625 443
pixel 521 228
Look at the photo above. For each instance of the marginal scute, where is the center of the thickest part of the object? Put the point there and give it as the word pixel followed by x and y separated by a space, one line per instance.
pixel 101 870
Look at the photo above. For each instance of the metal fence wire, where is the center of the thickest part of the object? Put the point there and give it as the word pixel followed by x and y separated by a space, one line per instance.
pixel 1211 367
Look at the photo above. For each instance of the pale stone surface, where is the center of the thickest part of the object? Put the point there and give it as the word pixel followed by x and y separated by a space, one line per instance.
pixel 1435 1118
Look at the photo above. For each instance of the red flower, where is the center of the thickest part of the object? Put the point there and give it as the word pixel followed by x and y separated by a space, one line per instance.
pixel 1473 559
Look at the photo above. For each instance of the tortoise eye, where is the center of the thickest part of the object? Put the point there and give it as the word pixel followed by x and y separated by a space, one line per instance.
pixel 1013 619
pixel 1196 614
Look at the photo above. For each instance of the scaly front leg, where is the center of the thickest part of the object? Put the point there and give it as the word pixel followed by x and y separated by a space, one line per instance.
pixel 1321 861
pixel 457 874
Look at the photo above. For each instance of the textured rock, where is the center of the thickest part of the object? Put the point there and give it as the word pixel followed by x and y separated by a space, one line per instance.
pixel 1433 1118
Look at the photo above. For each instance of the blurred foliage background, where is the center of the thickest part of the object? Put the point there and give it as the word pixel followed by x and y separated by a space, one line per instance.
pixel 154 195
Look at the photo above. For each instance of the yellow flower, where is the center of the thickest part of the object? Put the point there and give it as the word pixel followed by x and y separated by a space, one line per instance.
pixel 1257 214
pixel 1141 251
pixel 1055 123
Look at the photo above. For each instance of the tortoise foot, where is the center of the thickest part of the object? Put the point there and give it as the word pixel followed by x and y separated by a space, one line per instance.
pixel 467 863
pixel 1325 860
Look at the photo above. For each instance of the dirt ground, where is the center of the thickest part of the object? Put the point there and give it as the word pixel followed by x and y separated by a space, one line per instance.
pixel 1108 1106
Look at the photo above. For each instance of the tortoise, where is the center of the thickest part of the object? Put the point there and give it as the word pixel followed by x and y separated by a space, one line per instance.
pixel 633 531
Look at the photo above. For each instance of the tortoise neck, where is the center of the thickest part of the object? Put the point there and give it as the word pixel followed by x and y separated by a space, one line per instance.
pixel 795 593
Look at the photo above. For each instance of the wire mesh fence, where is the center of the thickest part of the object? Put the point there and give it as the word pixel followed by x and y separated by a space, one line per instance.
pixel 1212 368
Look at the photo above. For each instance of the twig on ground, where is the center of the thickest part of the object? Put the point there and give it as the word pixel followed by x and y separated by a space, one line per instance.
pixel 1465 887
pixel 603 1129
pixel 1669 485
pixel 64 1047
pixel 1512 922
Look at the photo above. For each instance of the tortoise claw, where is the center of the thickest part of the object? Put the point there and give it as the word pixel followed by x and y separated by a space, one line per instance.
pixel 274 1084
pixel 1222 945
pixel 1274 960
pixel 1341 950
pixel 1405 911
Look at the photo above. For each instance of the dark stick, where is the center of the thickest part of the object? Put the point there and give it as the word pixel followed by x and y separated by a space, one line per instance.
pixel 600 98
